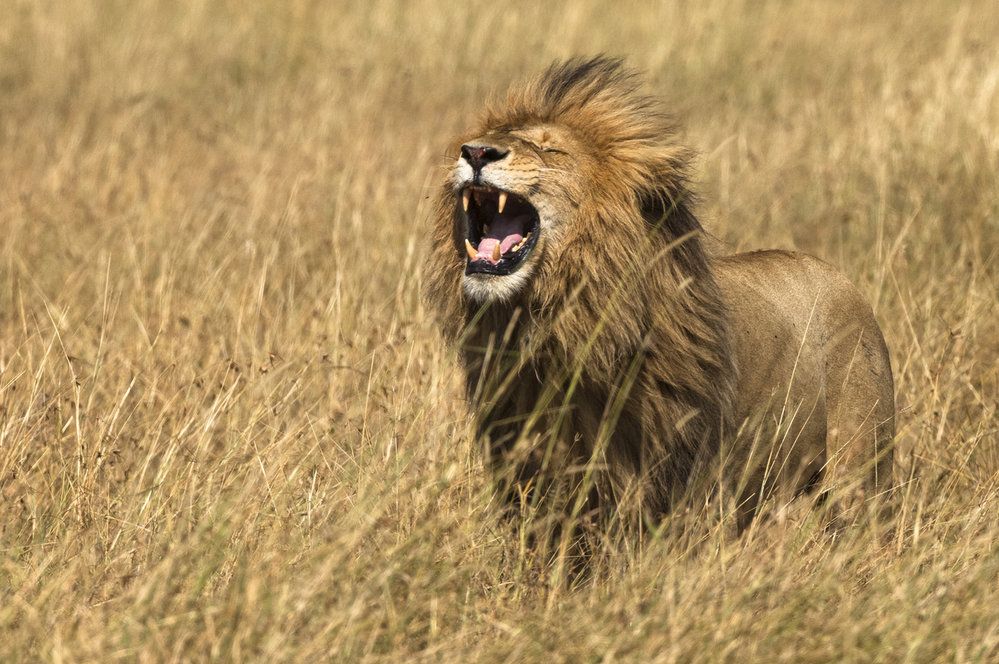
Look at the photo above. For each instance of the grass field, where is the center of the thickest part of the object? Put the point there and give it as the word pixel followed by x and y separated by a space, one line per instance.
pixel 228 430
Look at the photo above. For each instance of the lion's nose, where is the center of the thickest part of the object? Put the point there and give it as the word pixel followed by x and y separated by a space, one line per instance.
pixel 478 156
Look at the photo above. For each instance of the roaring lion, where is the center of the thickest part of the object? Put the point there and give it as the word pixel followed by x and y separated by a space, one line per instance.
pixel 603 343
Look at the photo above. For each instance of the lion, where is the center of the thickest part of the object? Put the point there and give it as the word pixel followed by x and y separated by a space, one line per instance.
pixel 605 343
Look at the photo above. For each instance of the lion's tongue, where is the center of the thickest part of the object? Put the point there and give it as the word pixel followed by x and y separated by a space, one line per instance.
pixel 504 232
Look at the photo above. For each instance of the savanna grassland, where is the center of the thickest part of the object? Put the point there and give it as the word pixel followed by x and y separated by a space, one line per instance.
pixel 229 430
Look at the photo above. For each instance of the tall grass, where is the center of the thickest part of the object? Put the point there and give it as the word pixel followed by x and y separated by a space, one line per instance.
pixel 228 429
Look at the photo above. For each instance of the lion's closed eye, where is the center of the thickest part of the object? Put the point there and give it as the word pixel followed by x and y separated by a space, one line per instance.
pixel 547 148
pixel 542 144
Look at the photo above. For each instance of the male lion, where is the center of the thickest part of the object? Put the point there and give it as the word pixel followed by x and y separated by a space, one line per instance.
pixel 604 345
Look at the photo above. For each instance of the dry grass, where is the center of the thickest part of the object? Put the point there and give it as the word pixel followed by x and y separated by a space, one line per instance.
pixel 228 430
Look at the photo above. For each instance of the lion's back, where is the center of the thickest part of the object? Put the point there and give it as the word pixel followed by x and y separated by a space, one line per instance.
pixel 798 287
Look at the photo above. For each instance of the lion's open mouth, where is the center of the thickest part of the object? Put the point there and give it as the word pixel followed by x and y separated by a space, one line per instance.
pixel 502 229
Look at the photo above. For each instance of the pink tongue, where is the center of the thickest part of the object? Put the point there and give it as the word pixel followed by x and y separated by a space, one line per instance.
pixel 505 233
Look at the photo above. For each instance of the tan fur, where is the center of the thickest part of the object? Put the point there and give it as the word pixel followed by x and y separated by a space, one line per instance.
pixel 626 358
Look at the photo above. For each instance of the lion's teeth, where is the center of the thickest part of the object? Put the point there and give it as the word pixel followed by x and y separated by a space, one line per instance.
pixel 472 254
pixel 465 195
pixel 496 252
pixel 502 202
pixel 520 245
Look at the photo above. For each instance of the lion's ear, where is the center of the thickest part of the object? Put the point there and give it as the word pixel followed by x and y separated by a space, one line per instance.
pixel 668 212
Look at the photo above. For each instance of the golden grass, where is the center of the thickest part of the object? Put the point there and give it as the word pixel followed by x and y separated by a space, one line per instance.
pixel 227 427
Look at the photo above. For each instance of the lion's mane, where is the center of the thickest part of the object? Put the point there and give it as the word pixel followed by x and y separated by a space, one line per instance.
pixel 583 324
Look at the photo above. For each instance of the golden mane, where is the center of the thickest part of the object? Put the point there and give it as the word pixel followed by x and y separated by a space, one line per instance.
pixel 590 309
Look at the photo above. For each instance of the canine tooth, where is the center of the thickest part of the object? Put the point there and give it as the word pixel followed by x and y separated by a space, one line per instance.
pixel 497 253
pixel 502 202
pixel 472 254
pixel 465 195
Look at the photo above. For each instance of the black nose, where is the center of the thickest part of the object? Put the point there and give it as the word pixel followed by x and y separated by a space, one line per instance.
pixel 478 156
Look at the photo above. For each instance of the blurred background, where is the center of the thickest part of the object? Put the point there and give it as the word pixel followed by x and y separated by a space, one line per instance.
pixel 229 430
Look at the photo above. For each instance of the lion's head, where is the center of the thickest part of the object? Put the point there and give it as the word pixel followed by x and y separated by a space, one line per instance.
pixel 570 199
